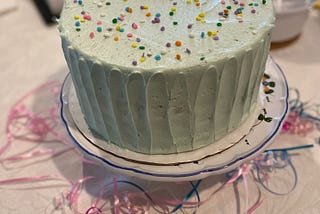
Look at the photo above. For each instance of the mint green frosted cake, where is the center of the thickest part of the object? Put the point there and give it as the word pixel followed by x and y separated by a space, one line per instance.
pixel 163 76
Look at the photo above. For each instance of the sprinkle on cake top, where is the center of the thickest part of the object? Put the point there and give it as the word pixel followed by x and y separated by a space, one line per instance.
pixel 163 33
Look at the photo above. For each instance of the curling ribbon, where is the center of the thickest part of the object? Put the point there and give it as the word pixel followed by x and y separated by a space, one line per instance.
pixel 193 190
pixel 262 165
pixel 242 172
pixel 268 159
pixel 74 192
pixel 303 117
pixel 40 152
pixel 116 197
pixel 35 127
pixel 30 179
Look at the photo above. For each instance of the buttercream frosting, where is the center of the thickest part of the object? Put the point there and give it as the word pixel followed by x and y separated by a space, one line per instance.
pixel 162 77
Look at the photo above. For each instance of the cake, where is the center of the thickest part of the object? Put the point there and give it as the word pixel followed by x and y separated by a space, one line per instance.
pixel 162 76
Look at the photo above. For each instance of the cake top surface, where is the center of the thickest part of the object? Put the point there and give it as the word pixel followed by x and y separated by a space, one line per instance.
pixel 151 34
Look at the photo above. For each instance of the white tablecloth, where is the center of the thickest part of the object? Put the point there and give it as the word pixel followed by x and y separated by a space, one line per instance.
pixel 31 55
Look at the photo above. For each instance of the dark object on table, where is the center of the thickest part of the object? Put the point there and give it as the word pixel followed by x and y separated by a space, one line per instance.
pixel 48 16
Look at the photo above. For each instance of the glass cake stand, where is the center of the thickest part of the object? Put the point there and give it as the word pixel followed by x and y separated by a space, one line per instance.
pixel 243 144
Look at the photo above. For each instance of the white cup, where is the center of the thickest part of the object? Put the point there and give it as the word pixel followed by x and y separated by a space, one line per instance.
pixel 291 16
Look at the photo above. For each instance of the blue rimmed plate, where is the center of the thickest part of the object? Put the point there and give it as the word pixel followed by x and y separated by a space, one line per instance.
pixel 254 135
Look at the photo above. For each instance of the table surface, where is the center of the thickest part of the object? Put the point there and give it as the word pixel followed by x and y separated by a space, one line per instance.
pixel 31 55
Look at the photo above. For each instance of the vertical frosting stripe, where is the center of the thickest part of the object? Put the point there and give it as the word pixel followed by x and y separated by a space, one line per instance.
pixel 205 107
pixel 85 75
pixel 254 74
pixel 121 110
pixel 66 47
pixel 266 46
pixel 247 64
pixel 243 76
pixel 157 99
pixel 100 77
pixel 193 80
pixel 179 114
pixel 80 90
pixel 249 87
pixel 225 99
pixel 136 89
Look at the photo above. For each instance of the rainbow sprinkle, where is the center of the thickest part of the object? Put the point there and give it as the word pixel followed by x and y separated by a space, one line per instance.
pixel 231 9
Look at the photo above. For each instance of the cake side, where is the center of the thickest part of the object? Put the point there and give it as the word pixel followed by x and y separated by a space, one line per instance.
pixel 169 108
pixel 167 112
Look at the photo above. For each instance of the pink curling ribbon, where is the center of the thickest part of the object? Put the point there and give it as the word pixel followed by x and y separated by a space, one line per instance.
pixel 116 197
pixel 30 179
pixel 295 124
pixel 73 194
pixel 23 124
pixel 303 117
pixel 94 208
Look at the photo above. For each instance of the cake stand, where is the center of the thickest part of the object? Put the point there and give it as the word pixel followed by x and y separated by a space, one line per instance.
pixel 243 144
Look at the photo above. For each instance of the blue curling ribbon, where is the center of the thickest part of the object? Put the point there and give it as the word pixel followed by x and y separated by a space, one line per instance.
pixel 197 193
pixel 282 160
pixel 193 190
pixel 139 188
pixel 134 185
pixel 301 107
pixel 230 174
pixel 187 197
